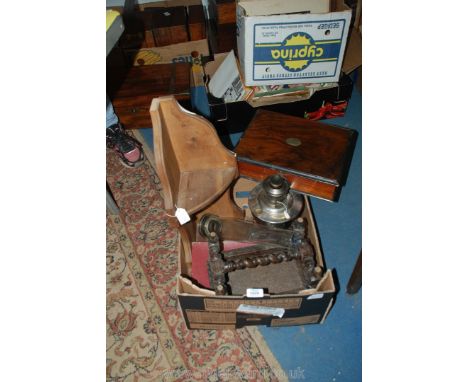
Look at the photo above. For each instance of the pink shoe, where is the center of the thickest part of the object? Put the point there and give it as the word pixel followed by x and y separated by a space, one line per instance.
pixel 128 148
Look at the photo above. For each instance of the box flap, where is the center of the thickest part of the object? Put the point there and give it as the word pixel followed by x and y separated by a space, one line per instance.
pixel 224 75
pixel 353 55
pixel 226 82
pixel 175 53
pixel 275 7
pixel 212 66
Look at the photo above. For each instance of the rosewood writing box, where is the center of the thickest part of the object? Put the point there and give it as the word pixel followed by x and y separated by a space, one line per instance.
pixel 168 25
pixel 132 90
pixel 313 156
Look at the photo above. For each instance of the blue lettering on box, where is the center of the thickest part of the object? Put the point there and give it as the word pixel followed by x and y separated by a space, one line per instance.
pixel 298 50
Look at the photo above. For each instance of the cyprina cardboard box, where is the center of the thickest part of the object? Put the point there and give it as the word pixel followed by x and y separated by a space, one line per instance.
pixel 290 42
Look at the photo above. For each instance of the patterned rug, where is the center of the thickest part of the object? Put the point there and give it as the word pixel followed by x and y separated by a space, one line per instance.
pixel 147 339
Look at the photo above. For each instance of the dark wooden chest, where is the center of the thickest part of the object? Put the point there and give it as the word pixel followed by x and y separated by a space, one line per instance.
pixel 167 24
pixel 131 92
pixel 196 22
pixel 313 156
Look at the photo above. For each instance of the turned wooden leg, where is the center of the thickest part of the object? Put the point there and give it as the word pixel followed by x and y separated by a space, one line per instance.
pixel 355 281
pixel 110 202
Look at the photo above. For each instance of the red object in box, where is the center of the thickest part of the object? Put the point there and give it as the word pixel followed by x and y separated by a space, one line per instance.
pixel 328 110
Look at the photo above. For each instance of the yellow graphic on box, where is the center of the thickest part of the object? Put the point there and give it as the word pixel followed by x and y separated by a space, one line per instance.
pixel 146 57
pixel 297 52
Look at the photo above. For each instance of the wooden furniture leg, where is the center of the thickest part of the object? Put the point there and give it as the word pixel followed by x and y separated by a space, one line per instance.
pixel 355 281
pixel 111 205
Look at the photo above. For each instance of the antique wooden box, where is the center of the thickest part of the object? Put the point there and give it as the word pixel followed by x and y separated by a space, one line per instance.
pixel 196 22
pixel 168 25
pixel 226 11
pixel 132 89
pixel 199 175
pixel 163 26
pixel 313 156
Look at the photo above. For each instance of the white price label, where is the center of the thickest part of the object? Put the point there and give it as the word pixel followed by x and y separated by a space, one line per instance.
pixel 182 216
pixel 315 296
pixel 264 310
pixel 254 292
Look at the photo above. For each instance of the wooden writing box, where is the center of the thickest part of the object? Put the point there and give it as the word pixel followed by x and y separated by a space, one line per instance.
pixel 226 11
pixel 196 22
pixel 169 25
pixel 132 92
pixel 226 39
pixel 200 175
pixel 313 156
pixel 137 32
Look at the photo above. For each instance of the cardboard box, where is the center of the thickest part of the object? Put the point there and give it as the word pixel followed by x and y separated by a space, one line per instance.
pixel 289 42
pixel 202 309
pixel 223 83
pixel 177 53
pixel 315 101
pixel 233 117
pixel 198 175
pixel 225 80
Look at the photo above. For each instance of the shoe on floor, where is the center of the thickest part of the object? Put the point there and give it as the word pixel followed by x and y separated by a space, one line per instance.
pixel 128 148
